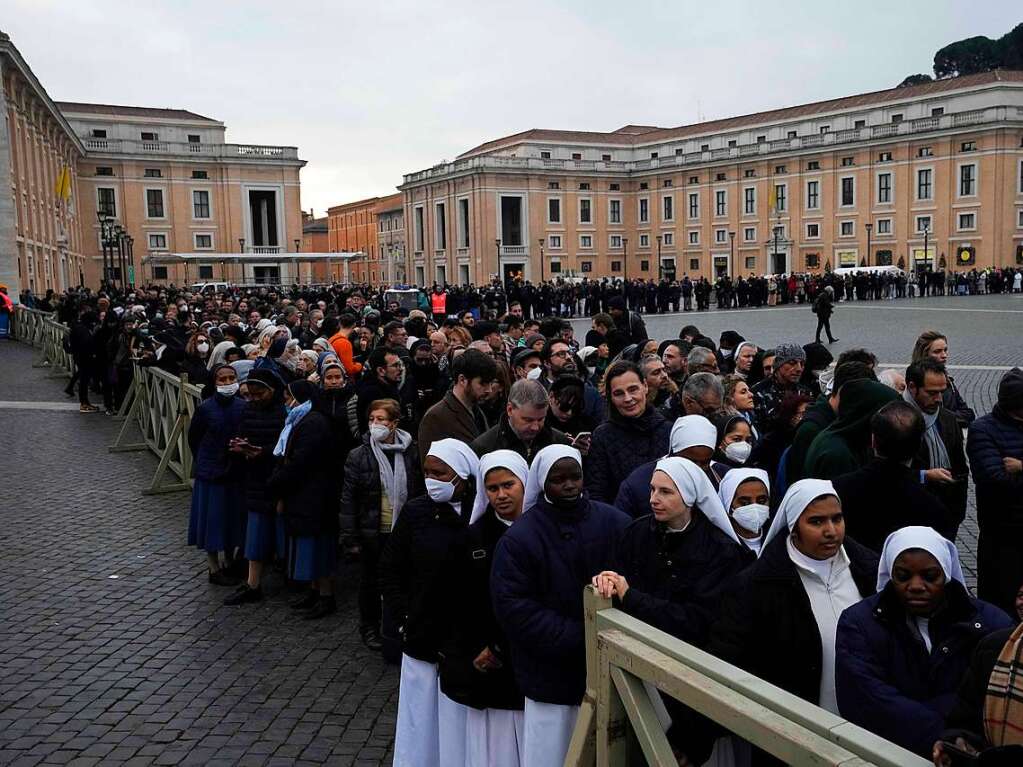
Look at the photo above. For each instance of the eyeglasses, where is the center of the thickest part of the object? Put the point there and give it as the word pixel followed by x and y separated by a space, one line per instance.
pixel 561 354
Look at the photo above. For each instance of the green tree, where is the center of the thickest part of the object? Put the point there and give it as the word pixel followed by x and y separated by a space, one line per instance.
pixel 1012 48
pixel 915 80
pixel 967 57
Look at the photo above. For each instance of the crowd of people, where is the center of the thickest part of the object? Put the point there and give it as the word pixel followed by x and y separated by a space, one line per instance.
pixel 791 513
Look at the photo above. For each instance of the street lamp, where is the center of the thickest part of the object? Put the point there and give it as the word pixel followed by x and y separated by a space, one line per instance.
pixel 542 278
pixel 660 264
pixel 731 253
pixel 497 244
pixel 130 241
pixel 927 253
pixel 869 228
pixel 106 225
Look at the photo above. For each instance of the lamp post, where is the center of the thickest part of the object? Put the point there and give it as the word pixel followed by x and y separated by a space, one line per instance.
pixel 625 257
pixel 497 245
pixel 869 228
pixel 660 264
pixel 927 253
pixel 731 254
pixel 106 226
pixel 130 242
pixel 540 243
pixel 777 232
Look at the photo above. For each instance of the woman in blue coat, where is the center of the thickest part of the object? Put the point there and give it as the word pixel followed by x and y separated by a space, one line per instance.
pixel 902 653
pixel 216 521
pixel 541 566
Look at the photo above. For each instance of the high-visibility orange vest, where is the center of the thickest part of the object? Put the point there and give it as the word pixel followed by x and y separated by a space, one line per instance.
pixel 439 302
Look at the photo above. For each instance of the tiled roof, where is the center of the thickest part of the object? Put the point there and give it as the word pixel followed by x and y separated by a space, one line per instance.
pixel 631 135
pixel 124 111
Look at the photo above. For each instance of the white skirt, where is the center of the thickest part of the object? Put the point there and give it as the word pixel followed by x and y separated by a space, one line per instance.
pixel 495 737
pixel 416 732
pixel 451 730
pixel 548 729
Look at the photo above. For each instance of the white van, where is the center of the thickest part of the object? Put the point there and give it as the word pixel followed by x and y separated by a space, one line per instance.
pixel 210 287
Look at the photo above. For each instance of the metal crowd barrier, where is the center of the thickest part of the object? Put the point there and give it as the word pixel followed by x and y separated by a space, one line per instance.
pixel 618 725
pixel 158 405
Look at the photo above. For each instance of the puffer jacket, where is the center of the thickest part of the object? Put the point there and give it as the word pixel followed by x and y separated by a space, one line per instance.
pixel 887 681
pixel 214 424
pixel 991 438
pixel 620 445
pixel 261 426
pixel 361 494
pixel 540 568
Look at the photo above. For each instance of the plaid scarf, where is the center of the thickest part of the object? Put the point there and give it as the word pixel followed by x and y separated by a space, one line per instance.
pixel 1003 703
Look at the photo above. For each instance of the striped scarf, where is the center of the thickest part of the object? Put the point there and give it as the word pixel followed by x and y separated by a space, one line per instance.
pixel 1003 703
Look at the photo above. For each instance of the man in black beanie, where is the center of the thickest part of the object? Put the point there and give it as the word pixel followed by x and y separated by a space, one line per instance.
pixel 994 446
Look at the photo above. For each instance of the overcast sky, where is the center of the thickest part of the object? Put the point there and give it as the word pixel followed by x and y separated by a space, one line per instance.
pixel 368 91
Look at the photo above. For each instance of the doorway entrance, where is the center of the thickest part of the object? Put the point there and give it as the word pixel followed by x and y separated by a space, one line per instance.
pixel 720 266
pixel 266 275
pixel 513 271
pixel 779 263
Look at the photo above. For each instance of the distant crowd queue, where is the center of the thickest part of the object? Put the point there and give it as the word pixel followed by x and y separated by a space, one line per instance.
pixel 793 514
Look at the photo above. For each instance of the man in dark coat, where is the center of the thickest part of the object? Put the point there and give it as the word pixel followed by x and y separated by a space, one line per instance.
pixel 522 427
pixel 629 326
pixel 941 459
pixel 994 445
pixel 886 494
pixel 458 414
pixel 789 361
pixel 382 380
pixel 823 307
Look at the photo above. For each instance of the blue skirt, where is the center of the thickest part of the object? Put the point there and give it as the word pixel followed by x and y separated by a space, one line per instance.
pixel 264 537
pixel 312 557
pixel 216 521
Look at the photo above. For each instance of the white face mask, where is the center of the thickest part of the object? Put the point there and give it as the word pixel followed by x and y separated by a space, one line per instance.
pixel 738 451
pixel 726 353
pixel 202 348
pixel 534 374
pixel 440 492
pixel 378 432
pixel 751 517
pixel 228 390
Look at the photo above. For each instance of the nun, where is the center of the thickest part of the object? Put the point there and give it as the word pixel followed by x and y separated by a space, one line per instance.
pixel 693 437
pixel 476 669
pixel 541 565
pixel 902 653
pixel 672 563
pixel 779 618
pixel 419 567
pixel 746 497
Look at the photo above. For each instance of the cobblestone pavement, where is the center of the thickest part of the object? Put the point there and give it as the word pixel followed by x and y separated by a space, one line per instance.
pixel 115 650
pixel 113 647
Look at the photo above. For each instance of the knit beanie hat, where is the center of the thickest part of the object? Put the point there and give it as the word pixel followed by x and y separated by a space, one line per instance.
pixel 787 353
pixel 1010 391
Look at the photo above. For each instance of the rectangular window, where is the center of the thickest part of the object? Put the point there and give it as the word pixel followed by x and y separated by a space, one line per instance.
pixel 158 242
pixel 643 186
pixel 615 241
pixel 694 238
pixel 614 187
pixel 967 180
pixel 720 203
pixel 779 169
pixel 545 155
pixel 813 231
pixel 884 188
pixel 104 171
pixel 586 241
pixel 553 211
pixel 200 203
pixel 883 157
pixel 555 267
pixel 846 229
pixel 924 189
pixel 668 238
pixel 749 234
pixel 418 229
pixel 193 138
pixel 780 193
pixel 720 177
pixel 749 202
pixel 859 124
pixel 968 146
pixel 463 223
pixel 923 224
pixel 669 209
pixel 848 191
pixel 204 242
pixel 749 173
pixel 644 241
pixel 200 174
pixel 152 173
pixel 653 155
pixel 586 266
pixel 847 162
pixel 614 211
pixel 99 133
pixel 154 203
pixel 667 183
pixel 967 221
pixel 813 195
pixel 924 151
pixel 884 226
pixel 148 136
pixel 937 111
pixel 791 134
pixel 441 229
pixel 554 185
pixel 694 264
pixel 577 156
pixel 694 179
pixel 585 211
pixel 105 202
pixel 554 242
pixel 605 157
pixel 825 129
pixel 1019 218
pixel 813 165
pixel 694 205
pixel 644 210
pixel 644 266
pixel 584 186
pixel 159 272
pixel 720 235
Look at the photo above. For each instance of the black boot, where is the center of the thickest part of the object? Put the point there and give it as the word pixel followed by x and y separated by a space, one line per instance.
pixel 306 602
pixel 371 637
pixel 244 595
pixel 221 578
pixel 324 606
